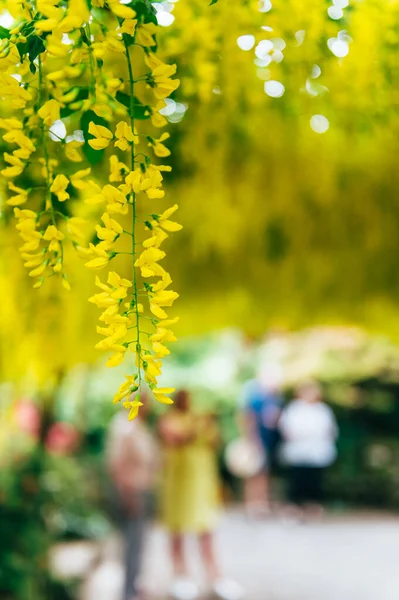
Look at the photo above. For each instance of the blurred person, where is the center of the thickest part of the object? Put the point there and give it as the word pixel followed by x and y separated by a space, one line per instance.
pixel 262 409
pixel 309 431
pixel 132 460
pixel 190 500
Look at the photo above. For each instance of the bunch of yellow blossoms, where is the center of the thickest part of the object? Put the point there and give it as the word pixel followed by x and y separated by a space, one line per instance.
pixel 93 72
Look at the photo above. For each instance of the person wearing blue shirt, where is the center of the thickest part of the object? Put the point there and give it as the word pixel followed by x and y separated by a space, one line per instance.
pixel 263 403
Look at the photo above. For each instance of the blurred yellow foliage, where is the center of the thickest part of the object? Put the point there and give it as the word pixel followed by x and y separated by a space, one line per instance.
pixel 283 226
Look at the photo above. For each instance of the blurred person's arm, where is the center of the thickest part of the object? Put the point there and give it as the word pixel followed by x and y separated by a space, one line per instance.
pixel 172 434
pixel 334 429
pixel 283 424
pixel 246 423
pixel 207 430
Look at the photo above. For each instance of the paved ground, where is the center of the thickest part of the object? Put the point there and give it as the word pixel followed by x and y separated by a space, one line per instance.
pixel 341 558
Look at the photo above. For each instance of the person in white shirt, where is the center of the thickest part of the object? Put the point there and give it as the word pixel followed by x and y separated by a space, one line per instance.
pixel 309 431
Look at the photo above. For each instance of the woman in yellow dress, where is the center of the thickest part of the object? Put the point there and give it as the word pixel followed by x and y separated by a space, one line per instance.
pixel 190 494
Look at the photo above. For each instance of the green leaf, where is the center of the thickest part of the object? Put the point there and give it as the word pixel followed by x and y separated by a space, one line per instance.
pixel 213 2
pixel 93 156
pixel 4 33
pixel 35 47
pixel 145 11
pixel 141 111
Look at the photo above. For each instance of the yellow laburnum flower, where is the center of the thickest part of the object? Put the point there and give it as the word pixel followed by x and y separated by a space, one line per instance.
pixel 135 182
pixel 168 322
pixel 128 26
pixel 111 224
pixel 97 263
pixel 34 262
pixel 147 262
pixel 106 234
pixel 20 197
pixel 157 119
pixel 125 388
pixel 116 280
pixel 52 233
pixel 124 135
pixel 164 86
pixel 110 43
pixel 48 8
pixel 56 75
pixel 102 135
pixel 78 14
pixel 26 146
pixel 65 284
pixel 151 366
pixel 150 181
pixel 114 333
pixel 74 71
pixel 58 187
pixel 165 298
pixel 17 166
pixel 10 124
pixel 116 168
pixel 115 360
pixel 152 60
pixel 156 239
pixel 38 271
pixel 24 213
pixel 77 179
pixel 113 84
pixel 47 25
pixel 164 222
pixel 78 55
pixel 160 350
pixel 111 315
pixel 163 335
pixel 49 112
pixel 69 96
pixel 144 35
pixel 133 407
pixel 55 45
pixel 116 200
pixel 103 300
pixel 157 146
pixel 163 283
pixel 157 311
pixel 161 395
pixel 121 10
pixel 72 151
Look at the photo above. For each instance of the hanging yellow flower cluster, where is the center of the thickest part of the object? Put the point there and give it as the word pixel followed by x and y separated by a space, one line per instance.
pixel 58 68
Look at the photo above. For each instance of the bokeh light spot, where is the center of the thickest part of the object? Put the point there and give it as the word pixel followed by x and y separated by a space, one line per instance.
pixel 246 42
pixel 274 89
pixel 335 12
pixel 319 123
pixel 340 48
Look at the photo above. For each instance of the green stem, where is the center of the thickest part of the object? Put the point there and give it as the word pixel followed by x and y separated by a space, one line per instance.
pixel 49 203
pixel 133 203
pixel 91 60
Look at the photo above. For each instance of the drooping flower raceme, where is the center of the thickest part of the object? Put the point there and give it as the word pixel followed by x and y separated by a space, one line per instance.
pixel 67 100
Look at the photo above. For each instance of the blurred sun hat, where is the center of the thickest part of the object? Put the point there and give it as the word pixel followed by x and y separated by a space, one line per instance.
pixel 244 458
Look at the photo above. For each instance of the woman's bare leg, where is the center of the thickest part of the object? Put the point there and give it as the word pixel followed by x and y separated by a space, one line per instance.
pixel 177 552
pixel 207 550
pixel 257 494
